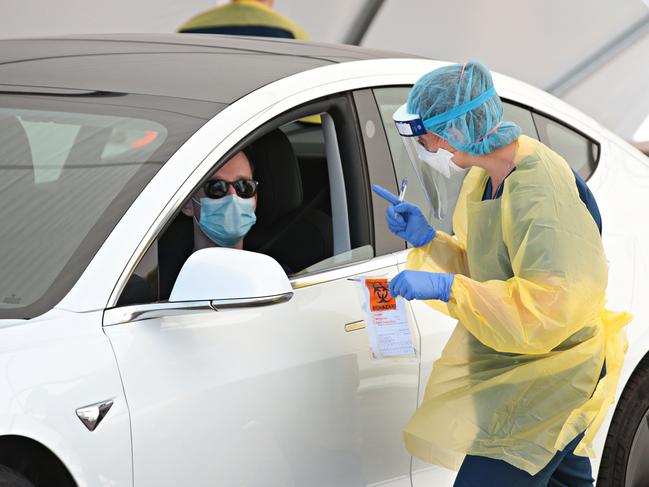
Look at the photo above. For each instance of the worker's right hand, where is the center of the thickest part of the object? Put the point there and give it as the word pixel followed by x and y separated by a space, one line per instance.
pixel 406 220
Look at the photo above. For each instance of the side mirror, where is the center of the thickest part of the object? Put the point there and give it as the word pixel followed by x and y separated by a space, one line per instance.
pixel 232 278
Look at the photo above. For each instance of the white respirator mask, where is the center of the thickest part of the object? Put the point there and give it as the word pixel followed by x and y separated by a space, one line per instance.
pixel 441 161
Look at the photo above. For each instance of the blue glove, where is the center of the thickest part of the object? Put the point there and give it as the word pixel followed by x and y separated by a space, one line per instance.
pixel 422 285
pixel 406 220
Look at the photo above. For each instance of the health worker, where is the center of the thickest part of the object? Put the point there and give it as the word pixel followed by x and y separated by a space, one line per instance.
pixel 526 378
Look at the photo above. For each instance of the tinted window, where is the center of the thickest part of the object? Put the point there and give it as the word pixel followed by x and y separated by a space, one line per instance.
pixel 69 169
pixel 306 219
pixel 579 151
pixel 326 219
pixel 388 100
pixel 521 117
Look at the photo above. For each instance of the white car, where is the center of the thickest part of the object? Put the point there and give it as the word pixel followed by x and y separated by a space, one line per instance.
pixel 119 369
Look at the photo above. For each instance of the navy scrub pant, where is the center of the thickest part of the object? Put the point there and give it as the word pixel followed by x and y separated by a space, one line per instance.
pixel 564 470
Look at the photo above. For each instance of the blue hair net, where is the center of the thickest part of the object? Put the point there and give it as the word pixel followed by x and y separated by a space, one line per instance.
pixel 460 104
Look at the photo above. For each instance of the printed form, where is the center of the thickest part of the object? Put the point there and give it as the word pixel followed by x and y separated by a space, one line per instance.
pixel 387 323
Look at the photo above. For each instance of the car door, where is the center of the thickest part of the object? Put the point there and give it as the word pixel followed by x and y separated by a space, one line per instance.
pixel 283 394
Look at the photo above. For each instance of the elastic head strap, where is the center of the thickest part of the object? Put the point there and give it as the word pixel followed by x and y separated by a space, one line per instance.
pixel 459 110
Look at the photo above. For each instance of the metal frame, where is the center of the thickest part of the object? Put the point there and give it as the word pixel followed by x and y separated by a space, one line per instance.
pixel 363 22
pixel 600 58
pixel 342 272
pixel 142 312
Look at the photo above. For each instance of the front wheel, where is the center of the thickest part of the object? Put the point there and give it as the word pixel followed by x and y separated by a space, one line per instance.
pixel 624 460
pixel 11 478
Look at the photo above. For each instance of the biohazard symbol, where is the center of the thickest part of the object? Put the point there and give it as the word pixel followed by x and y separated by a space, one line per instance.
pixel 380 298
pixel 382 293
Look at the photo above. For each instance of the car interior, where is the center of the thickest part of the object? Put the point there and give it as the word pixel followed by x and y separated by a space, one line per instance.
pixel 299 164
pixel 294 224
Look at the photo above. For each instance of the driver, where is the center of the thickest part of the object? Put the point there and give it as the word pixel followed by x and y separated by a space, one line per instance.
pixel 223 208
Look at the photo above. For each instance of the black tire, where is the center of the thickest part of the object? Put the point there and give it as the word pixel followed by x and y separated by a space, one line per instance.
pixel 625 460
pixel 11 478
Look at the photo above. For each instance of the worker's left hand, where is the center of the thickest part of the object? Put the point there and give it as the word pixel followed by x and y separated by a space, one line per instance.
pixel 422 285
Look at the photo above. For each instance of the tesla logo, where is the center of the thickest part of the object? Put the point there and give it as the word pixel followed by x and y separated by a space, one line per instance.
pixel 380 298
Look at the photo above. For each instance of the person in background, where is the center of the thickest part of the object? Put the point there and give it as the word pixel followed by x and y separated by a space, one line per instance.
pixel 244 18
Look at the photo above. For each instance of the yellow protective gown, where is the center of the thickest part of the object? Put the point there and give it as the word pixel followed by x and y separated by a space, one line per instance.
pixel 518 378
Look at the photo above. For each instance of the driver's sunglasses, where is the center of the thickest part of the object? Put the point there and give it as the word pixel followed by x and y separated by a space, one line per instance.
pixel 218 188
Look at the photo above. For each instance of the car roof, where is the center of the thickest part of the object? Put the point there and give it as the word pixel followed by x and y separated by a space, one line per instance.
pixel 206 67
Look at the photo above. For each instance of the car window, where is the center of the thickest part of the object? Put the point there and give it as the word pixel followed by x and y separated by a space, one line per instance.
pixel 388 100
pixel 325 212
pixel 306 219
pixel 579 151
pixel 69 169
pixel 522 117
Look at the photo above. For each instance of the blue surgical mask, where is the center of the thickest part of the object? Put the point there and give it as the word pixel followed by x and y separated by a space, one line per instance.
pixel 227 220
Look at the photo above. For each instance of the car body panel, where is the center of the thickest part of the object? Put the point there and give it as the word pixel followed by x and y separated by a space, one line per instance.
pixel 219 69
pixel 277 395
pixel 51 366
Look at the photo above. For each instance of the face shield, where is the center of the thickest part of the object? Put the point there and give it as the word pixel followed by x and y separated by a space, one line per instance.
pixel 411 127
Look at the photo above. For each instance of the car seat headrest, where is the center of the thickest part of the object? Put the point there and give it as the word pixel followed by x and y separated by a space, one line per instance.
pixel 277 170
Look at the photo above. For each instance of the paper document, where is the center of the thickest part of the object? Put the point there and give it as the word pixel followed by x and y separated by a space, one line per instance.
pixel 387 323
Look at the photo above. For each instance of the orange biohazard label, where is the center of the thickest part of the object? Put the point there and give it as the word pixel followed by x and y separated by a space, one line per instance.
pixel 380 297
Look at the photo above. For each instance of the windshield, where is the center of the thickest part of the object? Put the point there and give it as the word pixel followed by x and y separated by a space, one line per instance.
pixel 70 166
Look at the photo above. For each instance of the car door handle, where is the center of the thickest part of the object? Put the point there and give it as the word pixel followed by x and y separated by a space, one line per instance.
pixel 355 325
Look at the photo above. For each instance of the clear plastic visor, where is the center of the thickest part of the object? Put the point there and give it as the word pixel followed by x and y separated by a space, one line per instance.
pixel 411 127
pixel 433 182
